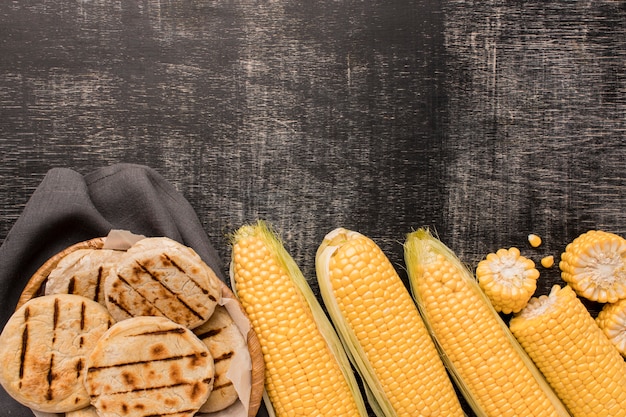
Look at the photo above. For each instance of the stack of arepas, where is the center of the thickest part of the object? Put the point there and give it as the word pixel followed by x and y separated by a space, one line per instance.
pixel 133 332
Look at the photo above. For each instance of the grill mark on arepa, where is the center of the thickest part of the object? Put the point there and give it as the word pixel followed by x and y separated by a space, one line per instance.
pixel 55 316
pixel 71 285
pixel 222 386
pixel 147 361
pixel 83 309
pixel 210 333
pixel 156 279
pixel 156 388
pixel 50 378
pixel 117 304
pixel 173 413
pixel 175 330
pixel 130 287
pixel 204 290
pixel 24 349
pixel 224 357
pixel 97 290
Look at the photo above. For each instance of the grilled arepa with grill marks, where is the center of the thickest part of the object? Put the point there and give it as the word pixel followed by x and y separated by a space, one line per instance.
pixel 225 342
pixel 43 351
pixel 149 366
pixel 83 272
pixel 168 280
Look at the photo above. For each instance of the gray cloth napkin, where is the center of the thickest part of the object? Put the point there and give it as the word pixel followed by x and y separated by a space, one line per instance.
pixel 67 208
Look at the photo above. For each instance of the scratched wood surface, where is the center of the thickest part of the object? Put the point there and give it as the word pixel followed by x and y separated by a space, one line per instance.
pixel 484 120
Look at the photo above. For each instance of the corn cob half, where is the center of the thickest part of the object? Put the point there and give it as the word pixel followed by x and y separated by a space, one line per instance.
pixel 490 368
pixel 508 279
pixel 612 321
pixel 307 370
pixel 578 360
pixel 381 329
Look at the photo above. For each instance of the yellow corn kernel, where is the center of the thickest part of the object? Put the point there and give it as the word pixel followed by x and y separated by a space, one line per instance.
pixel 547 261
pixel 534 240
pixel 380 325
pixel 508 279
pixel 594 265
pixel 577 359
pixel 307 371
pixel 612 320
pixel 490 368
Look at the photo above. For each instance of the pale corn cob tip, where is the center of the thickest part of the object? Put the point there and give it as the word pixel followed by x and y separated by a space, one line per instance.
pixel 306 373
pixel 574 355
pixel 490 368
pixel 508 279
pixel 612 320
pixel 594 265
pixel 379 324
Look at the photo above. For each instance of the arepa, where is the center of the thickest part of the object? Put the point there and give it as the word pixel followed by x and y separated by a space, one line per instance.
pixel 82 272
pixel 227 345
pixel 149 366
pixel 162 280
pixel 43 350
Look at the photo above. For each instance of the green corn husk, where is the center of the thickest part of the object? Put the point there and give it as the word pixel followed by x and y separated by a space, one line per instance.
pixel 421 250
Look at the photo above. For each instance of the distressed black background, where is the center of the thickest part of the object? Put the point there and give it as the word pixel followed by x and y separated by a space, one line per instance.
pixel 484 120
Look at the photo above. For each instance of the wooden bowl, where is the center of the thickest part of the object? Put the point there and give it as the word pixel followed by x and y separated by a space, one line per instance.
pixel 36 286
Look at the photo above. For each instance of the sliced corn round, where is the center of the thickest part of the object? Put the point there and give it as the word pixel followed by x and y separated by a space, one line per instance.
pixel 508 279
pixel 594 265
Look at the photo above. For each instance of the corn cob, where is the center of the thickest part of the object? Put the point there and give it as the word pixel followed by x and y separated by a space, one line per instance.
pixel 612 321
pixel 577 359
pixel 381 328
pixel 490 368
pixel 307 371
pixel 508 279
pixel 594 265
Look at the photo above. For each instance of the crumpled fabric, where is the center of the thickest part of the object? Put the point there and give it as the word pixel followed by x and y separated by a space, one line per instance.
pixel 68 208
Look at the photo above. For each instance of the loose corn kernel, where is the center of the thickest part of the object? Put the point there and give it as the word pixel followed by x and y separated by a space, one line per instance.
pixel 547 261
pixel 594 265
pixel 578 360
pixel 508 279
pixel 612 321
pixel 306 370
pixel 381 326
pixel 493 372
pixel 534 240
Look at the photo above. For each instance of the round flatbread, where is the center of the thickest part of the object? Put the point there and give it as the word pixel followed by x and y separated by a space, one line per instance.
pixel 162 280
pixel 43 350
pixel 149 366
pixel 82 272
pixel 226 344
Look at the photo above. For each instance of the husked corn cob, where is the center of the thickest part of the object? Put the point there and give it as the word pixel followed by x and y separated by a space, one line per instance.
pixel 575 356
pixel 612 321
pixel 492 371
pixel 307 371
pixel 594 265
pixel 379 325
pixel 508 279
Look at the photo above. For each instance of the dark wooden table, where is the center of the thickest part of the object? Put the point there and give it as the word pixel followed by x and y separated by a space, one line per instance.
pixel 484 120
